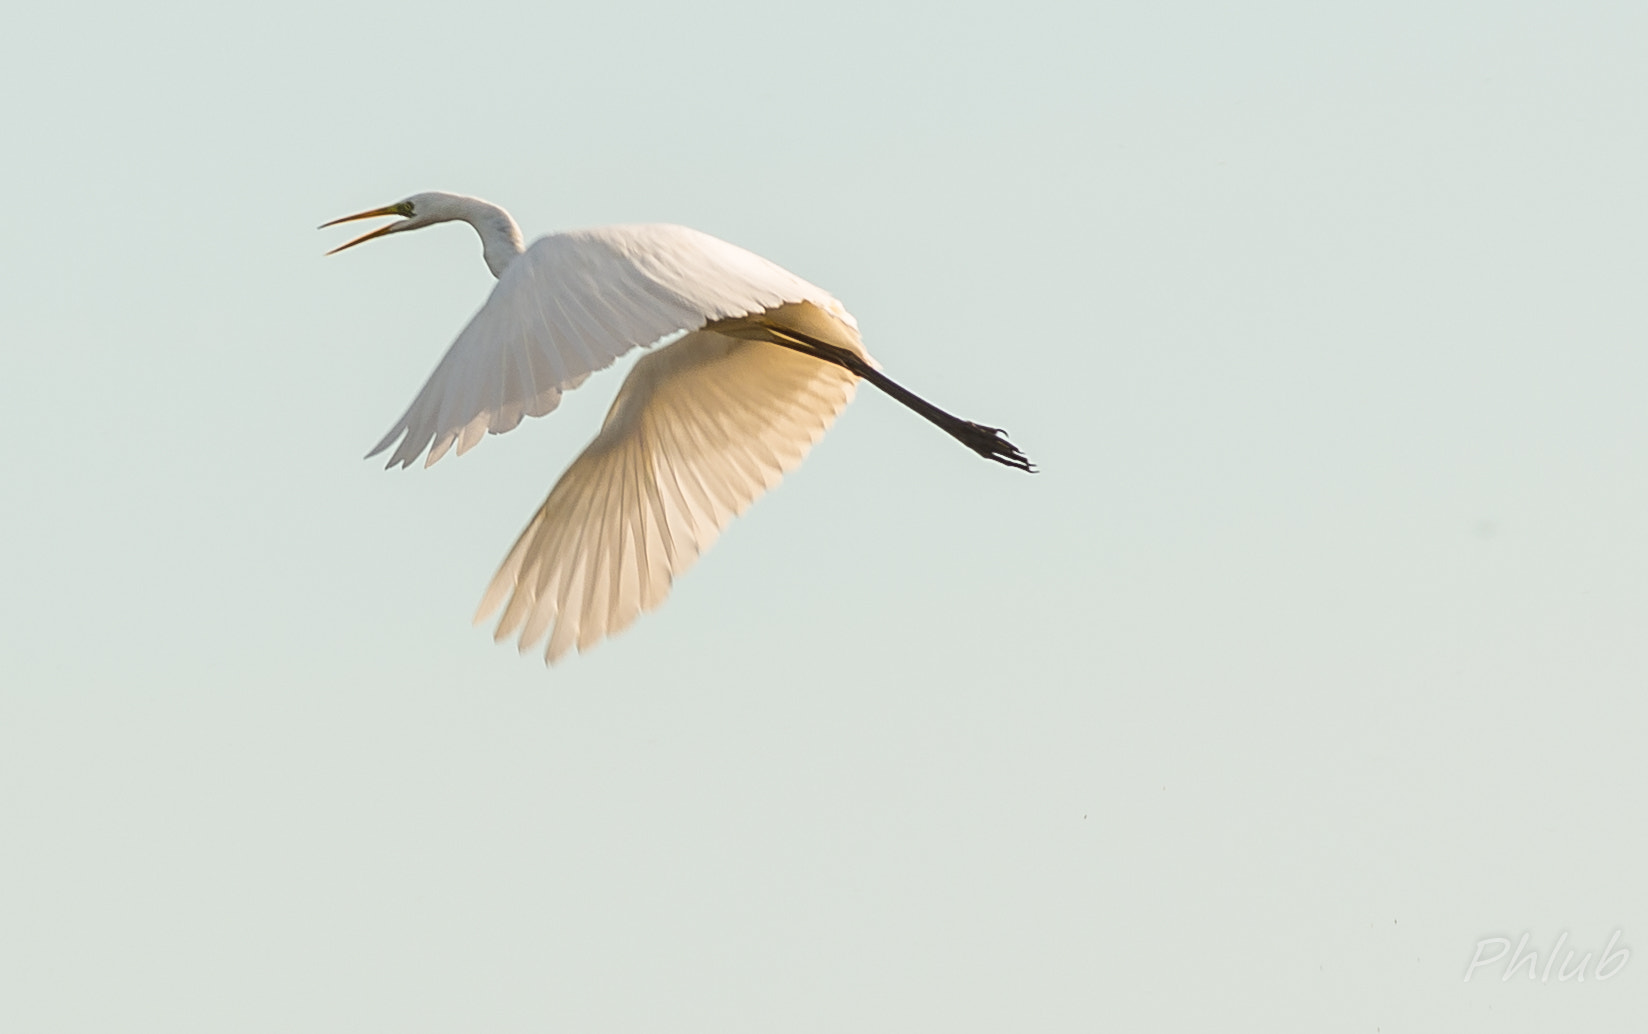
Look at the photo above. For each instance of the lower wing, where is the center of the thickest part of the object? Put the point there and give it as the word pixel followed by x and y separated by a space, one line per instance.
pixel 698 432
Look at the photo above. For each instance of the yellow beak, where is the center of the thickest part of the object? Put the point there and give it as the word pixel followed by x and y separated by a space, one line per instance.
pixel 379 232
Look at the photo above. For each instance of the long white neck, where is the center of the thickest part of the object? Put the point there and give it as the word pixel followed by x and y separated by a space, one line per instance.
pixel 500 237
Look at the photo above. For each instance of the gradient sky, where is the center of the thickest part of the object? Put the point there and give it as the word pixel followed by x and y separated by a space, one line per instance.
pixel 1315 655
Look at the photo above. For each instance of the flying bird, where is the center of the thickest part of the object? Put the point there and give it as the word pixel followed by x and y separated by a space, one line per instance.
pixel 755 365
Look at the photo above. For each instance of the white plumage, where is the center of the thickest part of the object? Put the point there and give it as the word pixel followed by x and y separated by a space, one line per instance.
pixel 698 432
pixel 762 364
pixel 570 305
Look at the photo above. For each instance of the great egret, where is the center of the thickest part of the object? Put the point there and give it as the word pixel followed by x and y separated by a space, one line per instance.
pixel 760 364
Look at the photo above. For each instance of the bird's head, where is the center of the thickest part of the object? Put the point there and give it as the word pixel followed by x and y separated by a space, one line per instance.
pixel 417 211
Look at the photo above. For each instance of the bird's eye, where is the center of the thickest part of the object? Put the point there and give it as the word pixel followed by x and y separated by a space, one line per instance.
pixel 404 208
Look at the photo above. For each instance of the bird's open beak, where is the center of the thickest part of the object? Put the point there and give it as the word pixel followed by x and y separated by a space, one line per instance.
pixel 379 232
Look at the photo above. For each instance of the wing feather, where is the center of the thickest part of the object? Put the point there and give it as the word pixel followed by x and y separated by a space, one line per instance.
pixel 699 430
pixel 571 304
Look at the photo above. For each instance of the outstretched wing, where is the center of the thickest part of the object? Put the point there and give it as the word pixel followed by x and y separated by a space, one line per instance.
pixel 570 305
pixel 700 429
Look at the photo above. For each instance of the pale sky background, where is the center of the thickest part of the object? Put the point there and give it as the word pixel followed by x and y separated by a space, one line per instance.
pixel 1315 655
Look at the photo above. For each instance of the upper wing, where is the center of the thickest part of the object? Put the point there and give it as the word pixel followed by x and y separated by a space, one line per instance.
pixel 699 430
pixel 568 306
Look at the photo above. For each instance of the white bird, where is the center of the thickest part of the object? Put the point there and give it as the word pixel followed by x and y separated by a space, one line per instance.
pixel 758 365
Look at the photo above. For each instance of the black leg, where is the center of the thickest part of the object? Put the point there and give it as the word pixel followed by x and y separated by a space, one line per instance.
pixel 989 442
